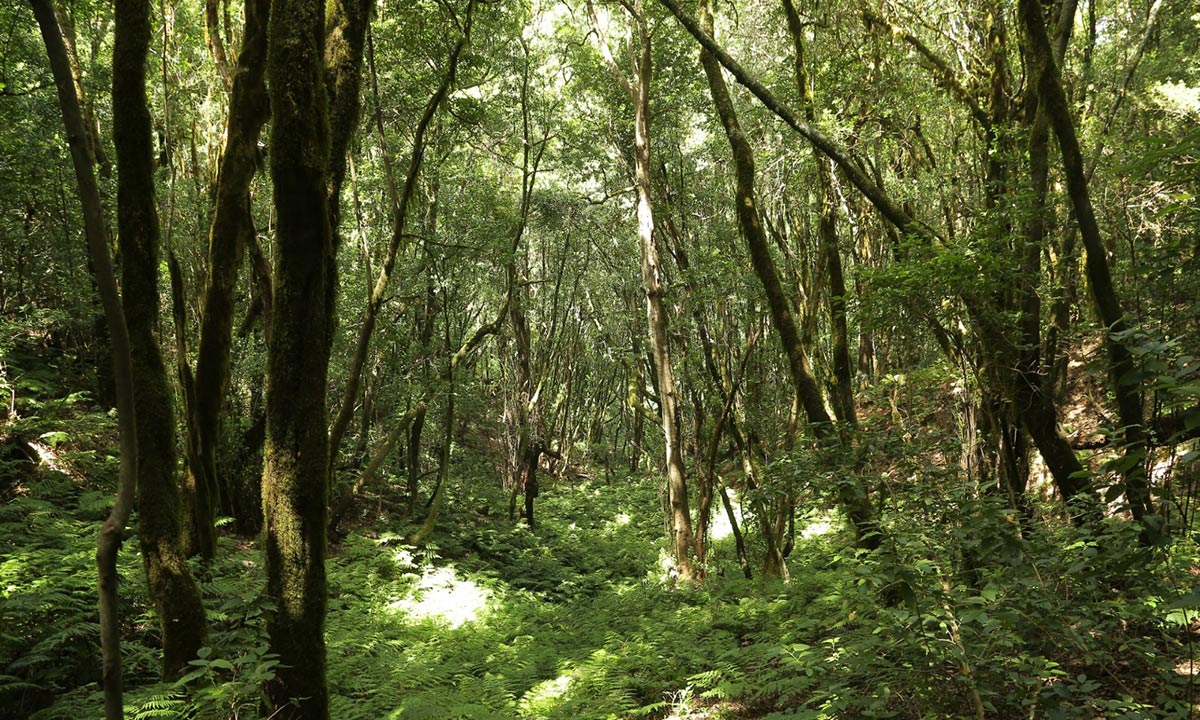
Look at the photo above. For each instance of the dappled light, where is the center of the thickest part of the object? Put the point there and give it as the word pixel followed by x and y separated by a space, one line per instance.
pixel 595 360
pixel 440 595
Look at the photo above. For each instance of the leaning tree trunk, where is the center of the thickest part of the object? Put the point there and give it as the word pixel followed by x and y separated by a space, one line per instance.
pixel 343 62
pixel 96 230
pixel 853 497
pixel 1121 367
pixel 295 479
pixel 176 597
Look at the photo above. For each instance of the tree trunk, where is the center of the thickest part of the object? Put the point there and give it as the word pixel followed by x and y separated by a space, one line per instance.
pixel 843 371
pixel 636 398
pixel 656 311
pixel 176 597
pixel 439 493
pixel 1122 369
pixel 295 479
pixel 231 232
pixel 399 221
pixel 853 496
pixel 113 528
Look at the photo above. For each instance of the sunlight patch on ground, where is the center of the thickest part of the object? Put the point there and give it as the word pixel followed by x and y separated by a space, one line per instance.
pixel 440 595
pixel 49 458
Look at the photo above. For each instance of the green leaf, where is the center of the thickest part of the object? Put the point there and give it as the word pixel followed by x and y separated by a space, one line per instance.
pixel 1113 492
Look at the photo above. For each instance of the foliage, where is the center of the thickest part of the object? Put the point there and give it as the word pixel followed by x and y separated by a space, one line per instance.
pixel 984 600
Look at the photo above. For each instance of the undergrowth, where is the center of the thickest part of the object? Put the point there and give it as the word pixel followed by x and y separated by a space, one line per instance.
pixel 957 616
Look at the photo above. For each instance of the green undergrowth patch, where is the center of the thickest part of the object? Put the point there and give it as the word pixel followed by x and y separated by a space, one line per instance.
pixel 576 618
pixel 49 631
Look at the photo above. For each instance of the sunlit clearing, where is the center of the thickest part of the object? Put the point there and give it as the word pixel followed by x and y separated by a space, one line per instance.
pixel 817 528
pixel 442 596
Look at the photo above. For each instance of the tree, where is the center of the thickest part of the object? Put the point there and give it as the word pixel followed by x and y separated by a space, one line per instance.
pixel 231 232
pixel 176 597
pixel 855 501
pixel 113 528
pixel 637 87
pixel 295 456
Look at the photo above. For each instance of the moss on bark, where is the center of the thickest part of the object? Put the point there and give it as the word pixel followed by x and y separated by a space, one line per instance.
pixel 176 597
pixel 295 480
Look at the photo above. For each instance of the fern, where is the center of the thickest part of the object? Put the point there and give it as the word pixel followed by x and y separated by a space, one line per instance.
pixel 173 705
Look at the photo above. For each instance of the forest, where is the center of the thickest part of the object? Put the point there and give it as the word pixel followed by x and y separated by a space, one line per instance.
pixel 554 359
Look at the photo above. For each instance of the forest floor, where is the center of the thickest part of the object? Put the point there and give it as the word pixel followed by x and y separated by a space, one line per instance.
pixel 580 618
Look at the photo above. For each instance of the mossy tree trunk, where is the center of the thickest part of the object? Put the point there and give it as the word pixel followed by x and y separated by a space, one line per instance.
pixel 231 232
pixel 852 495
pixel 176 597
pixel 1123 381
pixel 295 454
pixel 843 370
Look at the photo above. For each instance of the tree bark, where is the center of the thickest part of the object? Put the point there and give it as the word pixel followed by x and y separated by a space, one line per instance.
pixel 637 86
pixel 1122 370
pixel 843 370
pixel 656 311
pixel 295 455
pixel 375 302
pixel 176 597
pixel 216 46
pixel 113 528
pixel 854 498
pixel 530 440
pixel 231 232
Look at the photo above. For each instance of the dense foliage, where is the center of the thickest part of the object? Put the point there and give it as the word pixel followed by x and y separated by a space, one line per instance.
pixel 602 359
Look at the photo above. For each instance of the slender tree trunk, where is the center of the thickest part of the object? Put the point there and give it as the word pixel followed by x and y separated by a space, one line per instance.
pixel 656 311
pixel 843 370
pixel 216 46
pixel 295 467
pixel 636 398
pixel 95 146
pixel 530 441
pixel 1122 376
pixel 426 322
pixel 855 501
pixel 113 528
pixel 231 232
pixel 439 493
pixel 176 597
pixel 400 219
